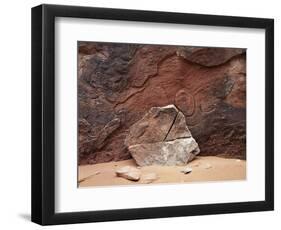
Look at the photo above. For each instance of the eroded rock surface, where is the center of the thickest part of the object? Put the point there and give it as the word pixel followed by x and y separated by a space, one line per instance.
pixel 161 137
pixel 119 83
pixel 153 127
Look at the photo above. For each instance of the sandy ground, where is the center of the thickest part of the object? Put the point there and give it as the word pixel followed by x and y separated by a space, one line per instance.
pixel 203 169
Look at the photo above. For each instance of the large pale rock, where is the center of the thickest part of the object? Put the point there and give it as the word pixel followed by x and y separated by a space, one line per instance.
pixel 161 137
pixel 177 152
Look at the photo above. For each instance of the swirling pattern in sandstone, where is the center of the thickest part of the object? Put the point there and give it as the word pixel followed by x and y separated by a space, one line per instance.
pixel 119 83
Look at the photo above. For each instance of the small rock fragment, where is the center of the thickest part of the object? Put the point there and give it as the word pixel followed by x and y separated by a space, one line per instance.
pixel 238 160
pixel 186 170
pixel 149 177
pixel 88 177
pixel 129 173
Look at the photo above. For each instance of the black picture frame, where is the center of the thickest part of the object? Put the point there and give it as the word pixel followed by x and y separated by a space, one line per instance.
pixel 43 114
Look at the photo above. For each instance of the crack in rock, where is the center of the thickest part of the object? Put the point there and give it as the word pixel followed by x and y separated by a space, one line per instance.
pixel 161 137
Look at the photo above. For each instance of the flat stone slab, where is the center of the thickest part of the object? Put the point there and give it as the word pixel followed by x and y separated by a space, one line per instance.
pixel 129 173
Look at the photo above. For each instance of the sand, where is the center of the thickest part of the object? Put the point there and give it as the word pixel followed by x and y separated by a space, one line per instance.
pixel 203 169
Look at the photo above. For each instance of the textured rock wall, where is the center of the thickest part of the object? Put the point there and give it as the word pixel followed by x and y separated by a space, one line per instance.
pixel 119 83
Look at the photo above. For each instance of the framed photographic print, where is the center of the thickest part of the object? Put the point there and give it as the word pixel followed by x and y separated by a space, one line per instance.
pixel 142 114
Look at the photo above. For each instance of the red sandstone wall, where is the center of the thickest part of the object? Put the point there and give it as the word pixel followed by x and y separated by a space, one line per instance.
pixel 118 83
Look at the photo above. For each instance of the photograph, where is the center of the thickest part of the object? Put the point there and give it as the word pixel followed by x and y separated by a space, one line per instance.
pixel 160 114
pixel 176 107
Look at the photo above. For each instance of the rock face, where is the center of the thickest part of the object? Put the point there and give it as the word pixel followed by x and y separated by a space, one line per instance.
pixel 161 137
pixel 119 83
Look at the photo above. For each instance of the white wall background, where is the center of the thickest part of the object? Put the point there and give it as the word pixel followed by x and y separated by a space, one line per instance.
pixel 15 114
